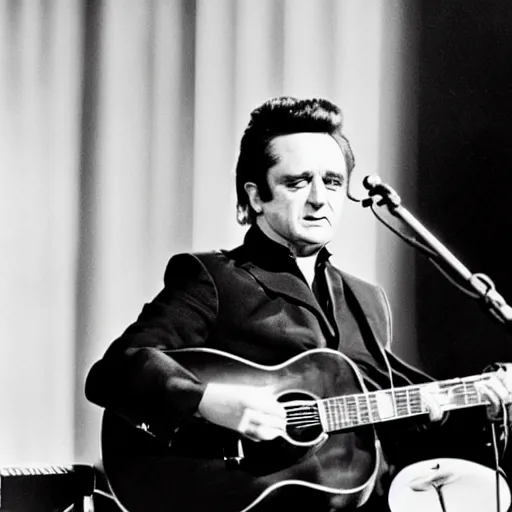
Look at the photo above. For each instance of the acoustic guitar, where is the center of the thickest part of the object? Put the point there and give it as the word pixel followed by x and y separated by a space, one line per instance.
pixel 207 467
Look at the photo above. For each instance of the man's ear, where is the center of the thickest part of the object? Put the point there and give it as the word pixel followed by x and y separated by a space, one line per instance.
pixel 254 196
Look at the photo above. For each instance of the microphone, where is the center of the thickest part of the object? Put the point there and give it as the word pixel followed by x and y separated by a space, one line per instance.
pixel 375 187
pixel 370 182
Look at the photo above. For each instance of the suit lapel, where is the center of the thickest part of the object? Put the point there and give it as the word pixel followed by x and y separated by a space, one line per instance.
pixel 293 288
pixel 335 286
pixel 365 296
pixel 297 290
pixel 379 325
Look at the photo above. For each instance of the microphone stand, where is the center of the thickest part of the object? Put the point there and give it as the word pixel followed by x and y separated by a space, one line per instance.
pixel 481 284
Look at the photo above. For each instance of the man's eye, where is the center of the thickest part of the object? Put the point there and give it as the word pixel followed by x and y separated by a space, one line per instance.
pixel 333 183
pixel 298 184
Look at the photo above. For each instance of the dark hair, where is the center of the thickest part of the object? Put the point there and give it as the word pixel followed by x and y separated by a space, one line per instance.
pixel 282 116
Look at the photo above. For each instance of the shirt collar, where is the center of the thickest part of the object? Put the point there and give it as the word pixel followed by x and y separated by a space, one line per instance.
pixel 273 254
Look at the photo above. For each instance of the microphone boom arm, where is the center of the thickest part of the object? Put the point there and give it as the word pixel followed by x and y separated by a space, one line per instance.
pixel 481 284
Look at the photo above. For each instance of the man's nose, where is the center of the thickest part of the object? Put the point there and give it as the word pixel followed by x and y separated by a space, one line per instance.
pixel 317 193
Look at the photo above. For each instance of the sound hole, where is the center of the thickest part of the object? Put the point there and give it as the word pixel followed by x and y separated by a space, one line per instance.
pixel 302 417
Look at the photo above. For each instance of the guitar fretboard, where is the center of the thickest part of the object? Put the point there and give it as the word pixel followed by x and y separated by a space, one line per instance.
pixel 377 406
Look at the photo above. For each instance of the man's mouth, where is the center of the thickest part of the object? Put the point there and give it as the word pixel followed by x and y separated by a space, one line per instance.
pixel 311 218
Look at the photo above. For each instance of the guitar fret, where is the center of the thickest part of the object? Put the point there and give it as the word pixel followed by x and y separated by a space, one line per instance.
pixel 352 410
pixel 404 402
pixel 473 397
pixel 375 408
pixel 340 419
pixel 408 400
pixel 401 408
pixel 329 413
pixel 364 412
pixel 416 403
pixel 332 413
pixel 465 394
pixel 338 413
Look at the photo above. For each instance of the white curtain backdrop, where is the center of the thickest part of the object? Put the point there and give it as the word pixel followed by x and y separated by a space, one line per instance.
pixel 119 129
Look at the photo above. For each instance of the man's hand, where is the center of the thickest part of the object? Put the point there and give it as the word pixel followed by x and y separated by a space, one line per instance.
pixel 254 412
pixel 497 389
pixel 430 398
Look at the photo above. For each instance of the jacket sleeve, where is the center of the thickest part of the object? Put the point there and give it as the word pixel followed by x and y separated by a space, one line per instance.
pixel 136 377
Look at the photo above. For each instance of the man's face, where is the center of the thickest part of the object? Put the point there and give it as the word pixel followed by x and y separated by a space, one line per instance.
pixel 308 186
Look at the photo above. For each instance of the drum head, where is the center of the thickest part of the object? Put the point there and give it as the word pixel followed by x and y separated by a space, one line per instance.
pixel 447 485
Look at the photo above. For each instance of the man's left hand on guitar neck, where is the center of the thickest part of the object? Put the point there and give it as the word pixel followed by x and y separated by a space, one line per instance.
pixel 496 389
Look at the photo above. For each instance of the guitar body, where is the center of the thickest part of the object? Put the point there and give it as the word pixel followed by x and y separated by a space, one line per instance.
pixel 191 475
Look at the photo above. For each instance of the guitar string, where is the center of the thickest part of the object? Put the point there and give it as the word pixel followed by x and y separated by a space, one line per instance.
pixel 302 416
pixel 360 409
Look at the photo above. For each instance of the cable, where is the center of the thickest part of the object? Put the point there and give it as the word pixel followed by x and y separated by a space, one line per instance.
pixel 467 291
pixel 409 240
pixel 496 466
pixel 506 423
pixel 434 259
pixel 104 494
pixel 504 438
pixel 99 492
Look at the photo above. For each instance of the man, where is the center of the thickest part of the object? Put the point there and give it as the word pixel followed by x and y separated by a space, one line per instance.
pixel 272 299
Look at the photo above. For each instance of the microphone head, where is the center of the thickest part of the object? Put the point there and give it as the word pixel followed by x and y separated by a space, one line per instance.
pixel 370 182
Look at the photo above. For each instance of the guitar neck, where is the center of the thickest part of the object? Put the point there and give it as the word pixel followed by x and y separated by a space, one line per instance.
pixel 402 402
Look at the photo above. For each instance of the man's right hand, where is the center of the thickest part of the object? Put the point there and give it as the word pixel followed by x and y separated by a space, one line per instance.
pixel 254 412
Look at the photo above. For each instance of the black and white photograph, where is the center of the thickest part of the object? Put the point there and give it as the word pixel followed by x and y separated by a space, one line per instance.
pixel 255 255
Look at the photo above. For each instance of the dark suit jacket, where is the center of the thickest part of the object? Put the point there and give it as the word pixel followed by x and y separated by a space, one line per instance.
pixel 252 302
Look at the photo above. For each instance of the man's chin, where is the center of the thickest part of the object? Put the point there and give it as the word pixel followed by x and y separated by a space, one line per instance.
pixel 318 238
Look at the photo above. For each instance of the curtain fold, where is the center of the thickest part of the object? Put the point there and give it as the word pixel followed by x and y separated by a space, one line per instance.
pixel 119 128
pixel 40 56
